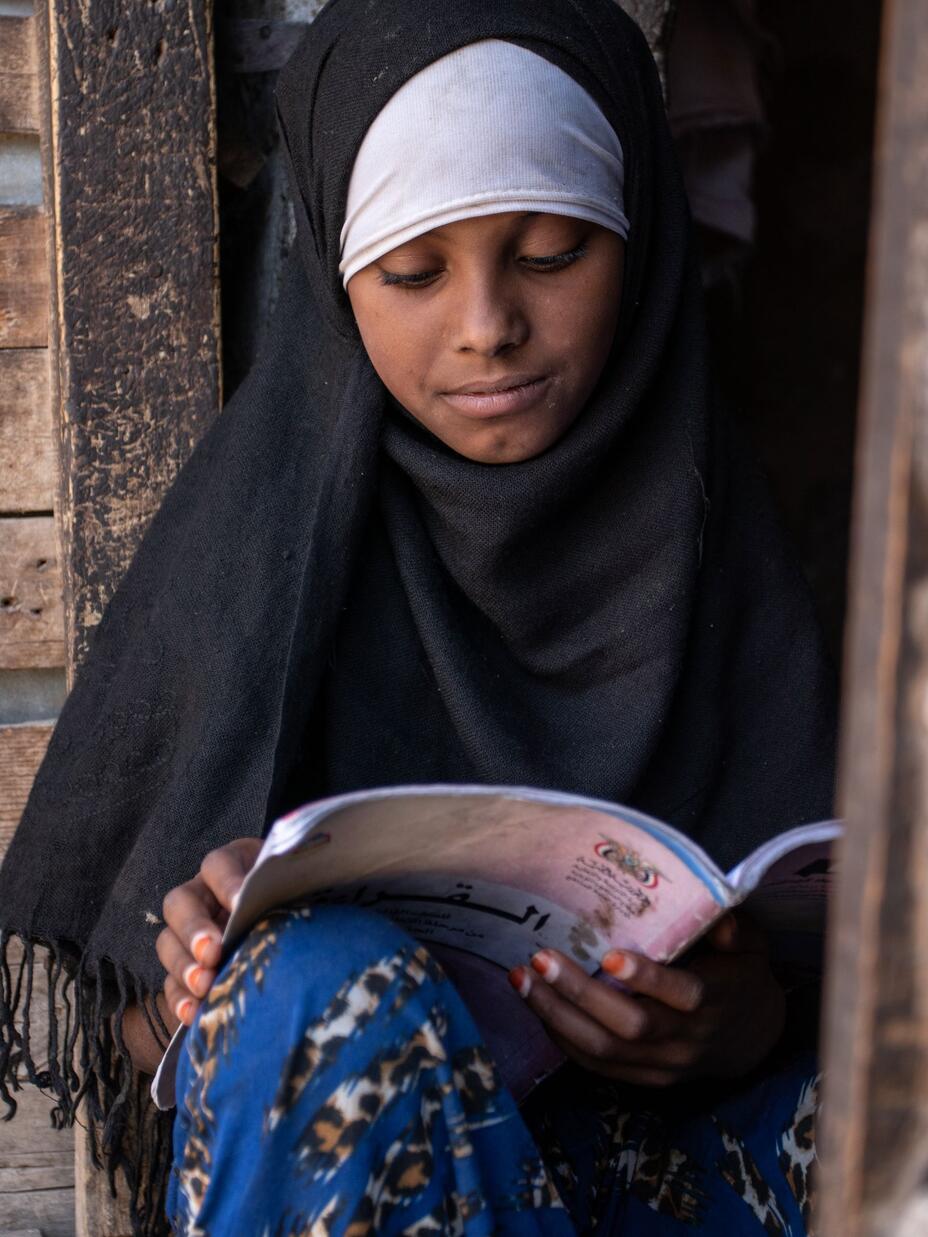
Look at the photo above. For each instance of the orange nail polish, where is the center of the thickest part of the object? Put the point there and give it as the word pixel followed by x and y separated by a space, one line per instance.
pixel 184 1010
pixel 521 980
pixel 193 977
pixel 618 964
pixel 546 965
pixel 199 945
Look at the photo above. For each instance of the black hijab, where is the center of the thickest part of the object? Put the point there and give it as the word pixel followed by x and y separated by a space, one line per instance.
pixel 330 598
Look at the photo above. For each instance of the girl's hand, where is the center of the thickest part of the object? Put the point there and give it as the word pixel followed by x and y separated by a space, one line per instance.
pixel 719 1016
pixel 195 915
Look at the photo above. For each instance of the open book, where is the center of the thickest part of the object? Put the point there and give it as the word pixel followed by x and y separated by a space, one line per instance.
pixel 485 876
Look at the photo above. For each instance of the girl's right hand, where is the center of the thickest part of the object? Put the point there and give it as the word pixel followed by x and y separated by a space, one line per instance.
pixel 195 915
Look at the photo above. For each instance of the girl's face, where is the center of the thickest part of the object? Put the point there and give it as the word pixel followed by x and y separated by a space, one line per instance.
pixel 492 332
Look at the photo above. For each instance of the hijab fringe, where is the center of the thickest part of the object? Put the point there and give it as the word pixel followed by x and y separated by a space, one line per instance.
pixel 86 1068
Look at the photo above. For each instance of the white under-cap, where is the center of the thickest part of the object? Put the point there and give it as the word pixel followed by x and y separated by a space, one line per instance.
pixel 489 128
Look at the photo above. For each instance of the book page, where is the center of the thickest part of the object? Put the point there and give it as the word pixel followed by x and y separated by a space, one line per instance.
pixel 782 862
pixel 496 873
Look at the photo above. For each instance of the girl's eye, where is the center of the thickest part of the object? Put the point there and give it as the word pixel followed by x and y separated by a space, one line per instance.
pixel 555 262
pixel 416 280
pixel 545 262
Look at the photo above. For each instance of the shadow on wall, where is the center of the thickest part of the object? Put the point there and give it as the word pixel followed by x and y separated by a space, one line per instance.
pixel 788 340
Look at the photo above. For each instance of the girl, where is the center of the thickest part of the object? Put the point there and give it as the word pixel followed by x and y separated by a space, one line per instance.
pixel 472 517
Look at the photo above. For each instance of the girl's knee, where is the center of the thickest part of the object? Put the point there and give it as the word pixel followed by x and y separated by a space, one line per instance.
pixel 318 946
pixel 305 968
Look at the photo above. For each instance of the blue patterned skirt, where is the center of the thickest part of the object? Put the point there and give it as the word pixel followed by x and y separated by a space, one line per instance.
pixel 334 1083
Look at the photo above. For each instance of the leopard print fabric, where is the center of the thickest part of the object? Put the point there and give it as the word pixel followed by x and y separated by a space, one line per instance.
pixel 335 1085
pixel 373 1109
pixel 639 1165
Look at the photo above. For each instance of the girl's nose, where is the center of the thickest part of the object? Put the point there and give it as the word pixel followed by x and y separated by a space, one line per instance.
pixel 488 322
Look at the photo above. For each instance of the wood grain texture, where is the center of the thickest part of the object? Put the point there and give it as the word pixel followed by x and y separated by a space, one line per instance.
pixel 23 277
pixel 96 1212
pixel 19 87
pixel 21 752
pixel 36 1171
pixel 31 610
pixel 132 163
pixel 875 1140
pixel 36 1161
pixel 49 1212
pixel 27 453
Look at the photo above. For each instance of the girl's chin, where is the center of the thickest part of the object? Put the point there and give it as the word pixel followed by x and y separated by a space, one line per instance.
pixel 499 444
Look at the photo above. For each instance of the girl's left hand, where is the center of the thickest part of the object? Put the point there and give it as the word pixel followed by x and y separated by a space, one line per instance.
pixel 719 1016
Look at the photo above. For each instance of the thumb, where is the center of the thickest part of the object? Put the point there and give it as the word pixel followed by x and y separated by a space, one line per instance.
pixel 737 934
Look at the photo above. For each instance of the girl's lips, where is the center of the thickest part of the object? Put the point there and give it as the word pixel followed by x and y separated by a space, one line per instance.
pixel 498 403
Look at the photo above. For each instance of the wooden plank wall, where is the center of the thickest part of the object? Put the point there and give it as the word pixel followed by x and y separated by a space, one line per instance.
pixel 36 1162
pixel 874 1171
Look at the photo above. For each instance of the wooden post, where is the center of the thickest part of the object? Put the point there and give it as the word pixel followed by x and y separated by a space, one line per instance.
pixel 874 1170
pixel 129 142
pixel 132 148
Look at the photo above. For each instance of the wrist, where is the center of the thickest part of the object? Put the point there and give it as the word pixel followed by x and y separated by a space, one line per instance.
pixel 144 1045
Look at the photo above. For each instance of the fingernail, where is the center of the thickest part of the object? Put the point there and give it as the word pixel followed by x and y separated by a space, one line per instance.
pixel 618 964
pixel 547 966
pixel 200 943
pixel 521 980
pixel 183 1010
pixel 193 978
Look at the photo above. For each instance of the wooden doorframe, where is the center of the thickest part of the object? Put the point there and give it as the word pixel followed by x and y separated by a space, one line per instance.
pixel 874 1166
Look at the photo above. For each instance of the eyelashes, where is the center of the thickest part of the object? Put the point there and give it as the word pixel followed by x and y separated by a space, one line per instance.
pixel 557 261
pixel 391 280
pixel 544 264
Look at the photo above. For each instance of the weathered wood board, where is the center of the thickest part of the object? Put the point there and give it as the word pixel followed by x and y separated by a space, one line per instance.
pixel 19 85
pixel 27 453
pixel 36 1171
pixel 21 752
pixel 874 1171
pixel 23 277
pixel 132 168
pixel 36 1161
pixel 31 612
